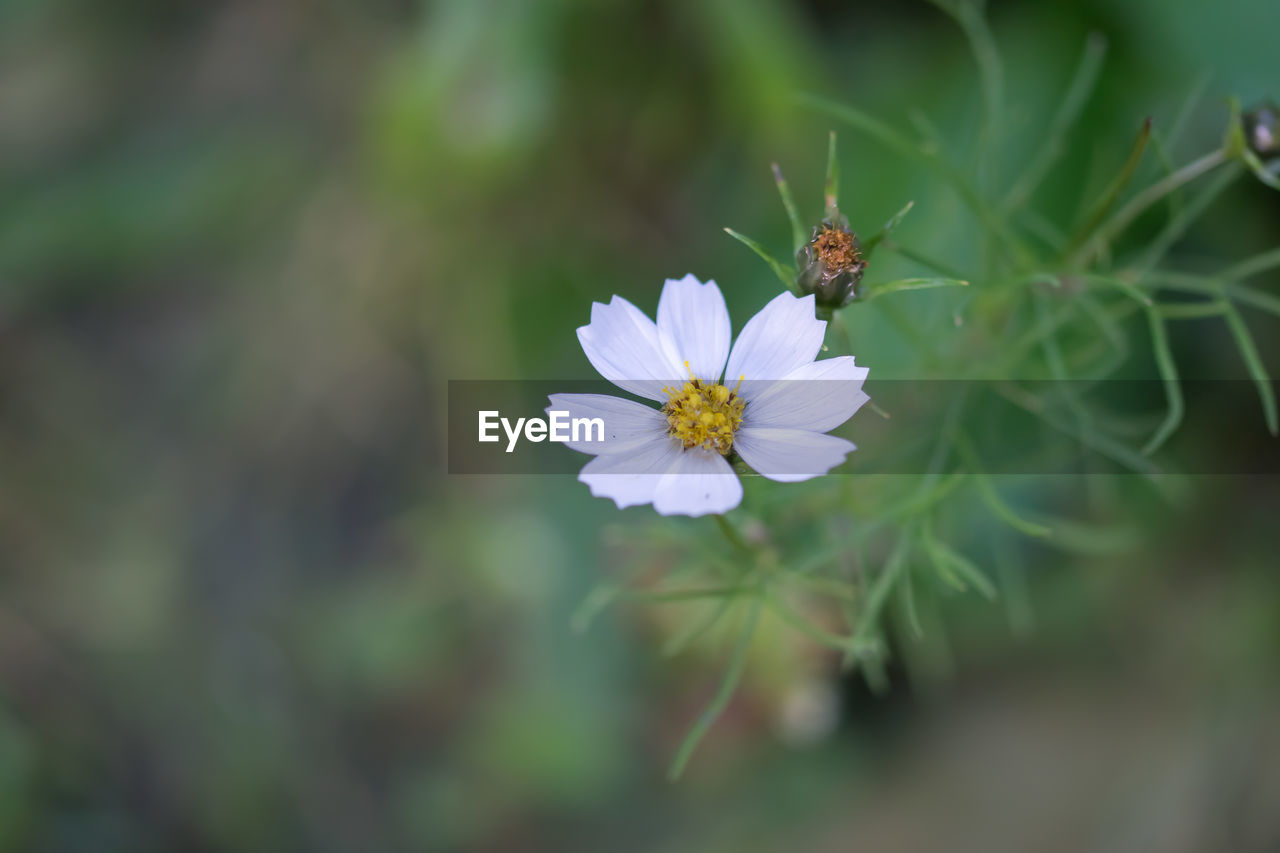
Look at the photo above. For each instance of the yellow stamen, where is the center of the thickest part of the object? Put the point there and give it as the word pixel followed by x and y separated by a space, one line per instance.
pixel 703 415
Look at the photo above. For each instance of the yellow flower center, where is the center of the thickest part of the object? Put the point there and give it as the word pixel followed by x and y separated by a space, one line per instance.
pixel 703 415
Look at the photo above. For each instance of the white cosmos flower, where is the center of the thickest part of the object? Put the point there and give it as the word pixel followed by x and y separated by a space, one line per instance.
pixel 773 409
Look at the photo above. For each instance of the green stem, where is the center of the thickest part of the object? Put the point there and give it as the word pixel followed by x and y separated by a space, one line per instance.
pixel 798 237
pixel 1086 235
pixel 892 139
pixel 731 534
pixel 831 188
pixel 728 685
pixel 923 260
pixel 1055 142
pixel 1121 220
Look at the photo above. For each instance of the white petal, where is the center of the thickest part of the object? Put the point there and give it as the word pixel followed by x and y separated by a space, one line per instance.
pixel 700 482
pixel 623 344
pixel 782 337
pixel 818 396
pixel 625 421
pixel 693 324
pixel 632 478
pixel 790 455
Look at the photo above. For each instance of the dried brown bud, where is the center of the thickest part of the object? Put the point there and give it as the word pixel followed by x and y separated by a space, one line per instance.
pixel 831 264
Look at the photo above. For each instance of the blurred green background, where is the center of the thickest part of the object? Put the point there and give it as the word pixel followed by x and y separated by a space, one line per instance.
pixel 244 245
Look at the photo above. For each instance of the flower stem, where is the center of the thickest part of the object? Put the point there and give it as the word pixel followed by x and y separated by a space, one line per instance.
pixel 728 685
pixel 731 534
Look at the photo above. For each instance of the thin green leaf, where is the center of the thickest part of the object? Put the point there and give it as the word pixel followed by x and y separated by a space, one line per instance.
pixel 991 497
pixel 1116 339
pixel 831 188
pixel 695 629
pixel 872 665
pixel 1039 226
pixel 909 605
pixel 970 572
pixel 1003 511
pixel 1185 282
pixel 1253 298
pixel 596 602
pixel 1188 105
pixel 1082 84
pixel 1161 150
pixel 931 137
pixel 1124 287
pixel 804 626
pixel 1101 238
pixel 798 234
pixel 912 284
pixel 892 139
pixel 869 616
pixel 968 14
pixel 922 259
pixel 870 244
pixel 1090 233
pixel 1257 370
pixel 1260 169
pixel 1115 336
pixel 1182 220
pixel 1019 349
pixel 827 586
pixel 1251 266
pixel 944 570
pixel 954 568
pixel 693 593
pixel 1216 287
pixel 1057 365
pixel 1191 310
pixel 1103 444
pixel 1097 540
pixel 1172 387
pixel 1163 144
pixel 925 498
pixel 1013 580
pixel 1234 142
pixel 728 685
pixel 785 274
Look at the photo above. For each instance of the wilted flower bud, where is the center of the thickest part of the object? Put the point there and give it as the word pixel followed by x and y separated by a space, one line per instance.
pixel 831 264
pixel 1262 130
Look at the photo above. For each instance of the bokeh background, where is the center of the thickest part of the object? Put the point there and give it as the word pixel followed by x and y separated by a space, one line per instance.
pixel 243 247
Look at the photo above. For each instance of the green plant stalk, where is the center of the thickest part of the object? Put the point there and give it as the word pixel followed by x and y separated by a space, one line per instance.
pixel 831 187
pixel 895 141
pixel 799 236
pixel 869 245
pixel 1084 244
pixel 1183 219
pixel 1119 221
pixel 1257 370
pixel 1077 95
pixel 731 534
pixel 728 685
pixel 1168 369
pixel 785 274
pixel 923 260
